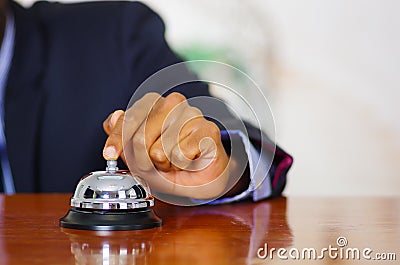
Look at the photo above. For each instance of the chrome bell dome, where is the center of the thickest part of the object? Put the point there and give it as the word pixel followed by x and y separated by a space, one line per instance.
pixel 111 200
pixel 112 189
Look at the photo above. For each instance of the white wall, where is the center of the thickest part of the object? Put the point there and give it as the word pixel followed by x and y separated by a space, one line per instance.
pixel 330 70
pixel 338 91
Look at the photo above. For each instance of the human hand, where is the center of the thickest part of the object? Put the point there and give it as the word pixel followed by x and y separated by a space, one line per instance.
pixel 170 144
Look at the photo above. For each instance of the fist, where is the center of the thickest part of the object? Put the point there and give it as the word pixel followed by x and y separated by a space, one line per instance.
pixel 170 144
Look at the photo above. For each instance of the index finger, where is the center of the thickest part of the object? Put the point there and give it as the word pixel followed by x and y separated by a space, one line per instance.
pixel 127 125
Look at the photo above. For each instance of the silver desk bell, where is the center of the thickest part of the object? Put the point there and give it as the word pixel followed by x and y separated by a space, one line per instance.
pixel 111 200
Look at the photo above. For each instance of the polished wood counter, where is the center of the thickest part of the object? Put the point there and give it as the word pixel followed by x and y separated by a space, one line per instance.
pixel 237 233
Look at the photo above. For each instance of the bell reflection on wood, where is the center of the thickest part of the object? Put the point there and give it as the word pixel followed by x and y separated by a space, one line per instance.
pixel 103 247
pixel 223 234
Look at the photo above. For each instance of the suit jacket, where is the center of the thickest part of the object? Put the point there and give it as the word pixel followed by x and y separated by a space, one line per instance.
pixel 72 66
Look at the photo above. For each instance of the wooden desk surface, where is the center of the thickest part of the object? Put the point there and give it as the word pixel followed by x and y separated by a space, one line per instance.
pixel 227 234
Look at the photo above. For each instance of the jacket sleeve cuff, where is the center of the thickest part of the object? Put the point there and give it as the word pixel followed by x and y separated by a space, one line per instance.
pixel 265 181
pixel 260 184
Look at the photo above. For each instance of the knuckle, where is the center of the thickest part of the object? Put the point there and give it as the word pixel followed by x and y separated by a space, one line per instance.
pixel 177 97
pixel 117 116
pixel 143 102
pixel 189 152
pixel 130 114
pixel 158 155
pixel 173 104
pixel 213 130
pixel 158 106
pixel 151 95
pixel 194 112
pixel 146 103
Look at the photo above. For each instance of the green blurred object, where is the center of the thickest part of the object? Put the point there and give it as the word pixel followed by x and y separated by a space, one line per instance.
pixel 218 54
pixel 204 52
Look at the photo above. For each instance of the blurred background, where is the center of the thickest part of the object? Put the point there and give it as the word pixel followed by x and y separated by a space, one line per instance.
pixel 329 70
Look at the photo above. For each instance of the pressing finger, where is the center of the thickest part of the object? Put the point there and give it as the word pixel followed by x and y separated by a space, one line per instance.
pixel 113 146
pixel 111 120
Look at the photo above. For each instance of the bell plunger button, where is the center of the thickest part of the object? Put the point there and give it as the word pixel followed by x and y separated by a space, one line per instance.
pixel 111 166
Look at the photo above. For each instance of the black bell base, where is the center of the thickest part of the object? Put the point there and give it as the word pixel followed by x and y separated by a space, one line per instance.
pixel 101 220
